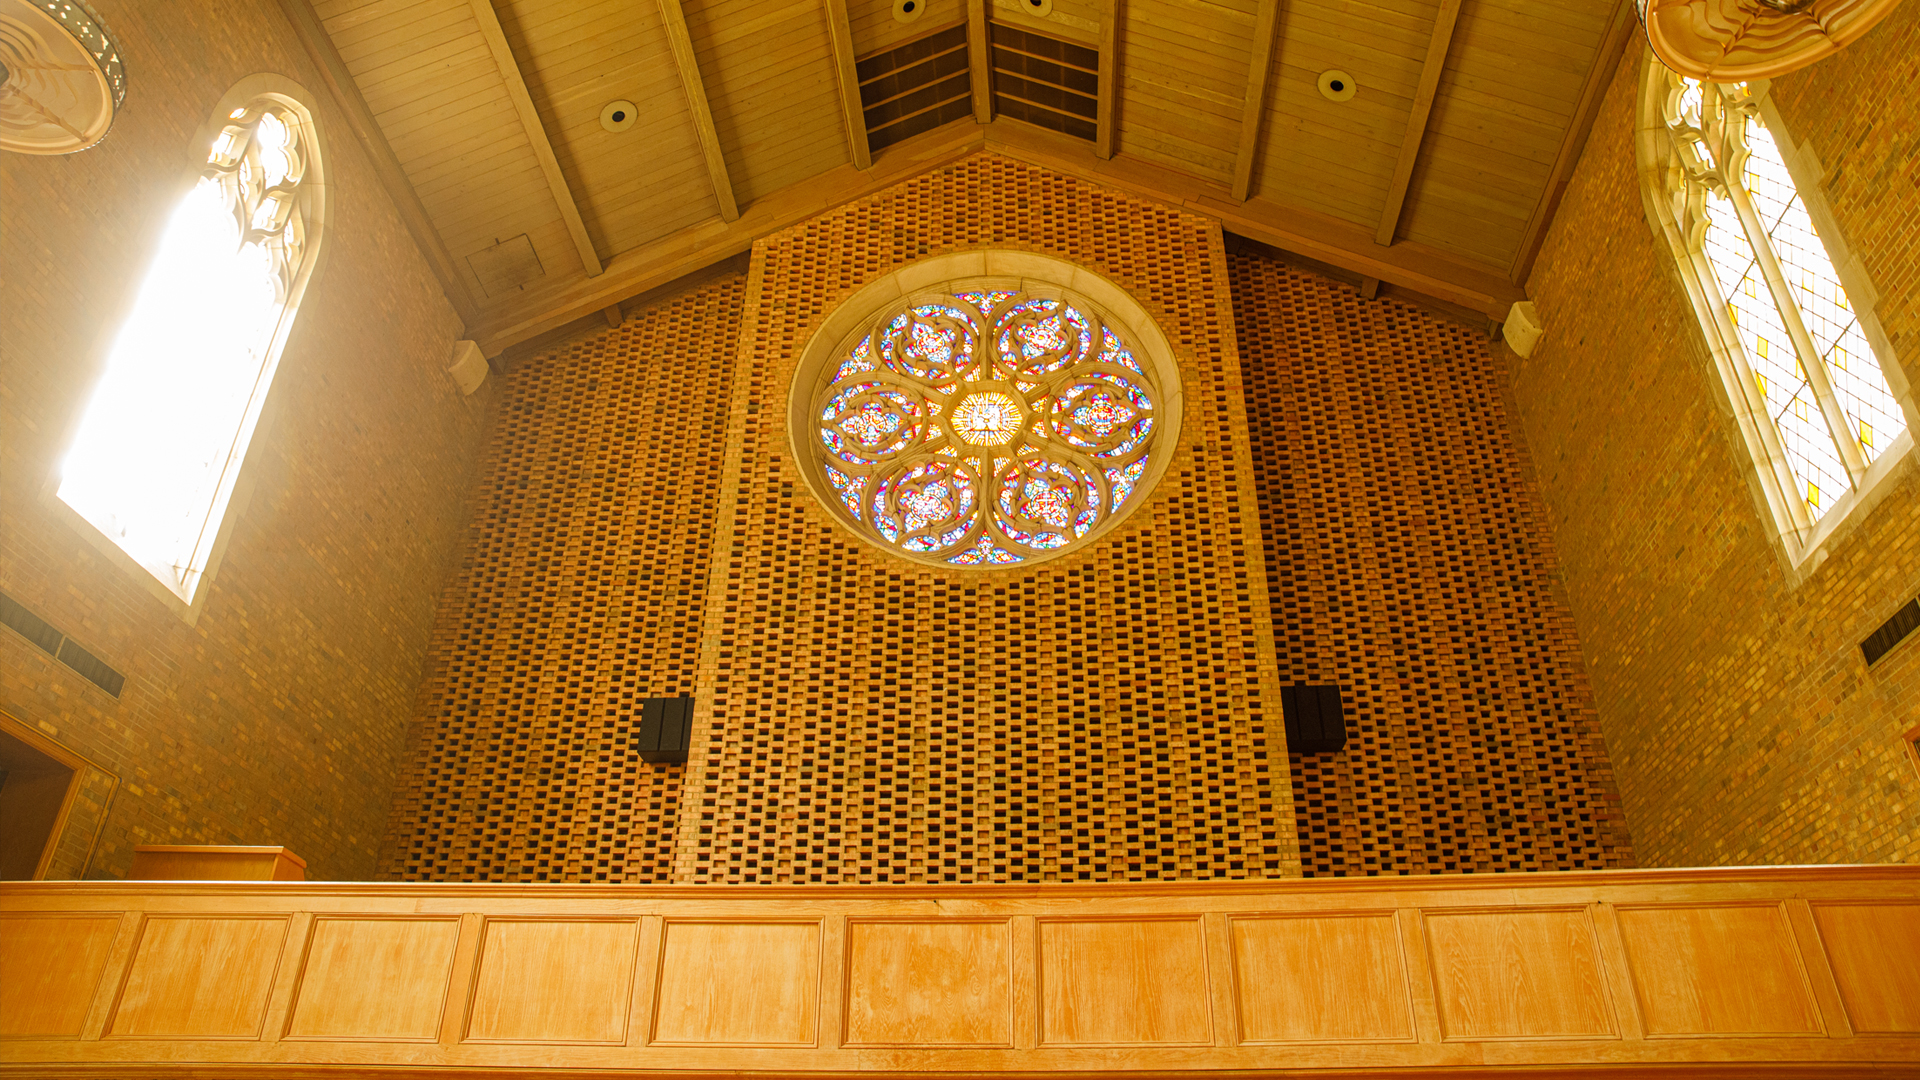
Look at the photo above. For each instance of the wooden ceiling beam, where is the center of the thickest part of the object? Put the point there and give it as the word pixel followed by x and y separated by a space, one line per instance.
pixel 1253 112
pixel 1108 89
pixel 675 20
pixel 840 34
pixel 633 272
pixel 1620 34
pixel 979 61
pixel 536 130
pixel 366 130
pixel 1421 269
pixel 1416 131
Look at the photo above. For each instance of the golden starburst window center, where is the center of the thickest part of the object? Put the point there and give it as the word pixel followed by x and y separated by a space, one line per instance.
pixel 986 419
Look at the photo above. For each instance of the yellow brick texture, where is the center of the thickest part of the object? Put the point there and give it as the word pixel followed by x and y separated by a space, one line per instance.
pixel 281 716
pixel 1744 724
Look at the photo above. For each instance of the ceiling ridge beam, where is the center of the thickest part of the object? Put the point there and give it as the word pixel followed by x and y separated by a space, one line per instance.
pixel 1253 112
pixel 536 130
pixel 1109 84
pixel 386 164
pixel 650 266
pixel 674 18
pixel 1605 63
pixel 979 61
pixel 1416 131
pixel 1480 286
pixel 840 33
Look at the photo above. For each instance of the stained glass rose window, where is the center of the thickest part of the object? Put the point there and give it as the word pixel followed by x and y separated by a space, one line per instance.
pixel 985 426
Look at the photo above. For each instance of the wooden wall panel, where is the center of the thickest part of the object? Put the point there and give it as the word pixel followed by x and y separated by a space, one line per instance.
pixel 1718 970
pixel 200 978
pixel 433 84
pixel 1326 978
pixel 1518 975
pixel 1118 983
pixel 929 983
pixel 50 967
pixel 1063 979
pixel 1513 80
pixel 554 981
pixel 1872 948
pixel 1183 72
pixel 739 984
pixel 636 186
pixel 1337 158
pixel 773 90
pixel 411 960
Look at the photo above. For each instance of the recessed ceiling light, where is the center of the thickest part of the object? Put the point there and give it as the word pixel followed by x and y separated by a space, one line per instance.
pixel 1337 85
pixel 908 10
pixel 1039 9
pixel 618 116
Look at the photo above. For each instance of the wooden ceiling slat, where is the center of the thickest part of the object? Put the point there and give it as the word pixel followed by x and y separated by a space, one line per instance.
pixel 840 32
pixel 694 87
pixel 979 55
pixel 1104 120
pixel 1254 111
pixel 1435 63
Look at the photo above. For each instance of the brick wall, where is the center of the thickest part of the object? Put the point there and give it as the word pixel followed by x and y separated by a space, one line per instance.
pixel 581 589
pixel 1409 563
pixel 281 716
pixel 1744 724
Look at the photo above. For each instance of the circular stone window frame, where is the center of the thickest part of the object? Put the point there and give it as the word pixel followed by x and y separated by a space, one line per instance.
pixel 935 280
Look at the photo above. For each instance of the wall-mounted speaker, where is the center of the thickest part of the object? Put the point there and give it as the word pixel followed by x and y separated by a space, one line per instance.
pixel 666 729
pixel 1316 723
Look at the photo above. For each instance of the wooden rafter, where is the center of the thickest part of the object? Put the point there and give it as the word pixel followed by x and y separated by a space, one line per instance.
pixel 674 18
pixel 840 31
pixel 536 129
pixel 366 130
pixel 1605 63
pixel 979 61
pixel 1253 112
pixel 1109 85
pixel 1430 70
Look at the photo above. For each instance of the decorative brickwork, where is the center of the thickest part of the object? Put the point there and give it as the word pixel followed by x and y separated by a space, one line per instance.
pixel 1108 715
pixel 1408 563
pixel 1744 725
pixel 280 716
pixel 581 593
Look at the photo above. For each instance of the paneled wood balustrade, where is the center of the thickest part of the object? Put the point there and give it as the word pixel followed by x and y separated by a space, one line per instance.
pixel 1811 971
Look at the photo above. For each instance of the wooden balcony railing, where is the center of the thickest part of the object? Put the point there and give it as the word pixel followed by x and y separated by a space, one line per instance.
pixel 1803 971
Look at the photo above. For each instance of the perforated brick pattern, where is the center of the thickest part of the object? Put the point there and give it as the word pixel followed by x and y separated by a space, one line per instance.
pixel 1104 716
pixel 1410 564
pixel 581 594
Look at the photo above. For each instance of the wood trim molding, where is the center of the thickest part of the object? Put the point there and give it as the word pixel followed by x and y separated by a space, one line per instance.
pixel 1416 131
pixel 366 130
pixel 674 18
pixel 840 31
pixel 536 130
pixel 979 61
pixel 1254 112
pixel 1620 34
pixel 1106 103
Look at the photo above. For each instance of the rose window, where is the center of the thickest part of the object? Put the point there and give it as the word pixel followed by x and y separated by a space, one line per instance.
pixel 986 427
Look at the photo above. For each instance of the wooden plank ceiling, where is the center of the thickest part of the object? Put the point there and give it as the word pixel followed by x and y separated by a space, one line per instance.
pixel 1437 175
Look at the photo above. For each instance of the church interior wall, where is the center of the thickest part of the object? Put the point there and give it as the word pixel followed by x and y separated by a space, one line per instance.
pixel 1744 722
pixel 872 720
pixel 280 715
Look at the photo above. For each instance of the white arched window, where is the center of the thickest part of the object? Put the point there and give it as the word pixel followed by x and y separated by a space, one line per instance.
pixel 1822 404
pixel 159 446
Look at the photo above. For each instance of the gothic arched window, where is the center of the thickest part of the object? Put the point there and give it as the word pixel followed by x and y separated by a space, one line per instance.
pixel 1821 402
pixel 159 446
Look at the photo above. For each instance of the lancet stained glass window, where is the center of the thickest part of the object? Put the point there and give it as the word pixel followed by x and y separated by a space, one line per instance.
pixel 160 444
pixel 1804 363
pixel 986 427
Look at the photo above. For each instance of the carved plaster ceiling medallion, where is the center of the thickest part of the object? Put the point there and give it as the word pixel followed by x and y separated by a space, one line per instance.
pixel 1741 40
pixel 986 423
pixel 61 81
